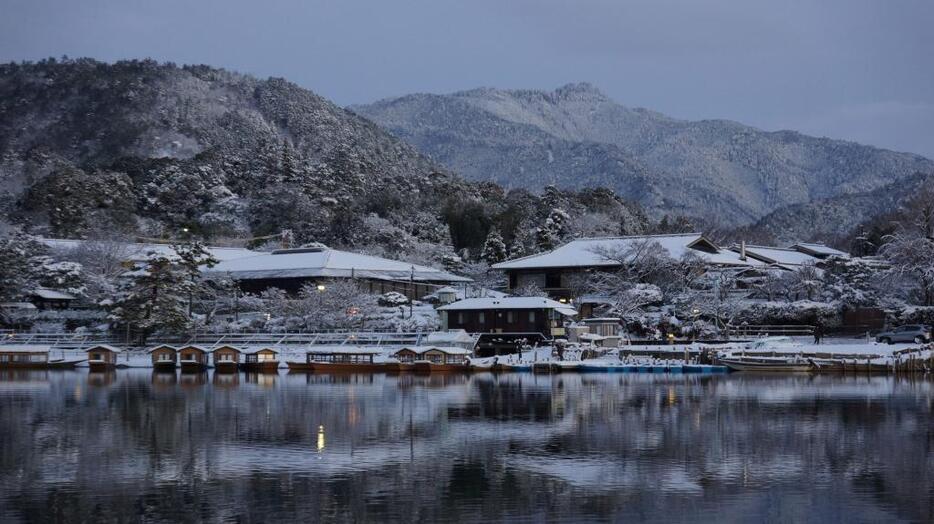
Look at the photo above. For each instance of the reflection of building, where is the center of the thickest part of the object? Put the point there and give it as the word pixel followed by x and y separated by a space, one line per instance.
pixel 291 269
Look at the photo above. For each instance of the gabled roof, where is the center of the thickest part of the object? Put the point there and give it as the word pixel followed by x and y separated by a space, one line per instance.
pixel 105 347
pixel 580 252
pixel 778 255
pixel 325 262
pixel 162 346
pixel 194 346
pixel 450 350
pixel 819 250
pixel 509 303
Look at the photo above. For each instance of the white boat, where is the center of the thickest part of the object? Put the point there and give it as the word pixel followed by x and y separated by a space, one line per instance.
pixel 782 365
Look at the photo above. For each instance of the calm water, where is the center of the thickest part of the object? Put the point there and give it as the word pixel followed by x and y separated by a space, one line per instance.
pixel 134 446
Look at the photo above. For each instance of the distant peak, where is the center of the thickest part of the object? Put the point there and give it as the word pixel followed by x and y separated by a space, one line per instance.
pixel 579 89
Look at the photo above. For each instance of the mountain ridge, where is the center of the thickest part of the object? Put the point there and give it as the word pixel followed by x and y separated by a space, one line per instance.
pixel 712 170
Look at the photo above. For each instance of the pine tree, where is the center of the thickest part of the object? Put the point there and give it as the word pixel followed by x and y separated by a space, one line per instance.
pixel 153 297
pixel 21 257
pixel 494 249
pixel 553 231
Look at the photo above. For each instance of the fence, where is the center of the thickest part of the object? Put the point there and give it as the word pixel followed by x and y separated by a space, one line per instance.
pixel 762 330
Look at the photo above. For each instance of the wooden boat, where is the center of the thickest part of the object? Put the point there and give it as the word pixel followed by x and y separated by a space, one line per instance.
pixel 226 359
pixel 102 357
pixel 398 367
pixel 164 358
pixel 767 364
pixel 334 361
pixel 31 356
pixel 193 359
pixel 265 360
pixel 435 359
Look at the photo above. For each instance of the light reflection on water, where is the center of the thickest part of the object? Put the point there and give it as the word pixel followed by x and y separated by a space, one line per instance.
pixel 135 445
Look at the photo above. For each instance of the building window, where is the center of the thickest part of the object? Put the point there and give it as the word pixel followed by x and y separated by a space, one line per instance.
pixel 513 281
pixel 460 317
pixel 481 318
pixel 510 316
pixel 532 317
pixel 553 279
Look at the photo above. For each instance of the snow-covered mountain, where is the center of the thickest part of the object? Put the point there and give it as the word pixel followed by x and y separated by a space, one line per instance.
pixel 155 149
pixel 721 171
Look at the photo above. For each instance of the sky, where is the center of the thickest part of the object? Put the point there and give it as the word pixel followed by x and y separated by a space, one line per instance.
pixel 854 69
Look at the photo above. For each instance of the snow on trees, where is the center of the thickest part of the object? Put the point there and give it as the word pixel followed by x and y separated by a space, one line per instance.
pixel 553 231
pixel 494 249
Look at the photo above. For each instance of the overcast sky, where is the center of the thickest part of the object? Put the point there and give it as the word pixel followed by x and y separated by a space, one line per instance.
pixel 855 69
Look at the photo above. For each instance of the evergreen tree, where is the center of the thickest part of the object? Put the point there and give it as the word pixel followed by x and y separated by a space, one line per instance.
pixel 153 297
pixel 494 249
pixel 20 259
pixel 553 231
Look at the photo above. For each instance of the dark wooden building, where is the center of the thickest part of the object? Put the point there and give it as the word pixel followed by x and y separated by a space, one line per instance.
pixel 507 315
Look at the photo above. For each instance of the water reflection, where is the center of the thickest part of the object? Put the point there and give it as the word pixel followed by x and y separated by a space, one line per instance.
pixel 135 445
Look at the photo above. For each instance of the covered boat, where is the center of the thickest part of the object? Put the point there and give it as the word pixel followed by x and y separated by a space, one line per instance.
pixel 102 357
pixel 265 360
pixel 226 359
pixel 338 360
pixel 164 357
pixel 193 358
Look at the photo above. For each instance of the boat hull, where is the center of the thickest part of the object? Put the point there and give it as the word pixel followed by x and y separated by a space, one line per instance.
pixel 261 367
pixel 193 367
pixel 225 367
pixel 164 367
pixel 101 366
pixel 770 367
pixel 431 367
pixel 52 364
pixel 398 367
pixel 326 367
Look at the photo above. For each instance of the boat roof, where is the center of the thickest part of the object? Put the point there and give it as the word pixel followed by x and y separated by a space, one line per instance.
pixel 25 348
pixel 194 346
pixel 105 347
pixel 450 350
pixel 162 346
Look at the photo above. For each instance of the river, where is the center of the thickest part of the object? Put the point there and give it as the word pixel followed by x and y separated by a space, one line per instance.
pixel 138 446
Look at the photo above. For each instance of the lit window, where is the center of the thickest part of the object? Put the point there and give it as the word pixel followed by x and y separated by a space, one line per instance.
pixel 531 316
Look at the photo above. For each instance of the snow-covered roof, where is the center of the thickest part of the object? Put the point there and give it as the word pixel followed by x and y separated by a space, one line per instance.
pixel 138 251
pixel 581 252
pixel 162 346
pixel 17 305
pixel 194 346
pixel 460 293
pixel 25 348
pixel 778 255
pixel 325 262
pixel 52 294
pixel 252 350
pixel 510 303
pixel 450 350
pixel 451 336
pixel 819 250
pixel 105 347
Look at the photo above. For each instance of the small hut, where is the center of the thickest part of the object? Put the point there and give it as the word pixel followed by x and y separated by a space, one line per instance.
pixel 164 357
pixel 193 358
pixel 265 359
pixel 226 359
pixel 102 357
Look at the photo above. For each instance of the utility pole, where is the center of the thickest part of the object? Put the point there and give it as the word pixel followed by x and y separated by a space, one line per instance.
pixel 411 289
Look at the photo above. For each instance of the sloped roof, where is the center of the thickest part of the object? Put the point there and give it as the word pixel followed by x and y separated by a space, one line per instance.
pixel 52 294
pixel 780 256
pixel 105 347
pixel 509 303
pixel 819 250
pixel 25 348
pixel 580 252
pixel 450 350
pixel 137 251
pixel 325 262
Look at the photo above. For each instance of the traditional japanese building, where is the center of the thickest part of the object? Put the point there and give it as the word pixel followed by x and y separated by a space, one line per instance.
pixel 554 271
pixel 517 315
pixel 317 265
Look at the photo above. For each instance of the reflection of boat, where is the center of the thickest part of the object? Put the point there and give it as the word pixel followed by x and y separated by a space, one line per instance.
pixel 102 378
pixel 794 365
pixel 226 379
pixel 338 361
pixel 395 366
